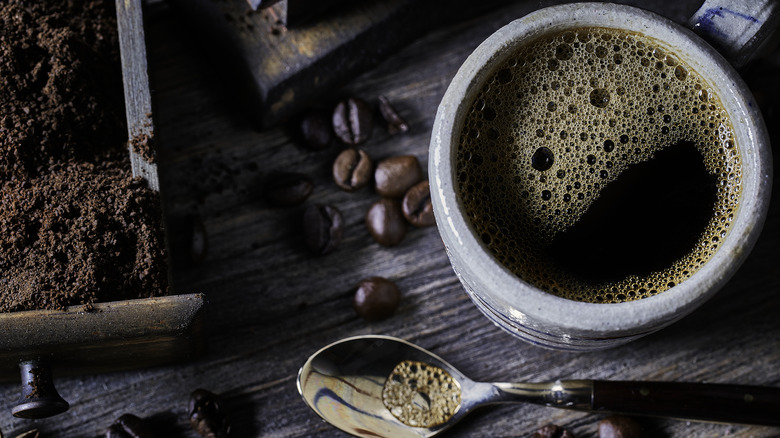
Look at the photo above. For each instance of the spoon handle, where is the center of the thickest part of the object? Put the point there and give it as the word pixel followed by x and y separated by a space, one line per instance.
pixel 690 401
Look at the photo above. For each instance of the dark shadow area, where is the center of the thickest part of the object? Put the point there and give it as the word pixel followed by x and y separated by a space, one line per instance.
pixel 243 413
pixel 166 424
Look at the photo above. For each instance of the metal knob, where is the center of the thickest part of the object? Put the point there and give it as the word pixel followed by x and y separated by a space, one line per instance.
pixel 39 396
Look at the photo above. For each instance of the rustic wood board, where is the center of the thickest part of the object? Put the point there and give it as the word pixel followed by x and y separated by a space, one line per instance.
pixel 271 304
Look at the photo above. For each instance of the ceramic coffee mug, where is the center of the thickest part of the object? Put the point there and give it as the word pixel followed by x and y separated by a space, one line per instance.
pixel 523 308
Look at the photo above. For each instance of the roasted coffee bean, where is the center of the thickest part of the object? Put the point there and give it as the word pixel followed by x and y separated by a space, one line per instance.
pixel 552 431
pixel 285 189
pixel 353 121
pixel 395 124
pixel 617 426
pixel 316 130
pixel 416 205
pixel 189 240
pixel 207 415
pixel 129 426
pixel 385 221
pixel 393 176
pixel 29 434
pixel 352 169
pixel 376 298
pixel 323 227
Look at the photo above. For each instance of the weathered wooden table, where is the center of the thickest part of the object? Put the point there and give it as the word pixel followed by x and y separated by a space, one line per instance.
pixel 272 304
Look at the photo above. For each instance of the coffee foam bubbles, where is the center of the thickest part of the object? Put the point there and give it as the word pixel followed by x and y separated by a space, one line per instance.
pixel 563 117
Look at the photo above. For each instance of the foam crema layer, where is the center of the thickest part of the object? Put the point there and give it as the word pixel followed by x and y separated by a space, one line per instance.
pixel 565 117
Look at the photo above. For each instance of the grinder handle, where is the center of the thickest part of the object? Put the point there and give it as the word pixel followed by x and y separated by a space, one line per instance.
pixel 690 401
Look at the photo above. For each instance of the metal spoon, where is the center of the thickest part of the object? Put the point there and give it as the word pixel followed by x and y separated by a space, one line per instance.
pixel 379 386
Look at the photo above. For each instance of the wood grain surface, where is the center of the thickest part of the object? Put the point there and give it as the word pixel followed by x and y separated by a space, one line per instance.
pixel 271 304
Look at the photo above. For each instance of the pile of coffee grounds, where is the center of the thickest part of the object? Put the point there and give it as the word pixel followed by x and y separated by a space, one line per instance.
pixel 75 226
pixel 62 93
pixel 75 234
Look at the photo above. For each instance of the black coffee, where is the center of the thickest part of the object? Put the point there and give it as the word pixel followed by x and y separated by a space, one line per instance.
pixel 598 166
pixel 661 216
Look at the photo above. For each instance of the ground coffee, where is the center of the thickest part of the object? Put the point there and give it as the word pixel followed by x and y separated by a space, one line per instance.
pixel 76 227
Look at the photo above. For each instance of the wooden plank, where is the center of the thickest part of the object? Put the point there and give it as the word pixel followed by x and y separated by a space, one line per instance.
pixel 117 335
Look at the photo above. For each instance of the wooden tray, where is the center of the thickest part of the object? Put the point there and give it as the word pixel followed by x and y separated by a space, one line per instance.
pixel 116 335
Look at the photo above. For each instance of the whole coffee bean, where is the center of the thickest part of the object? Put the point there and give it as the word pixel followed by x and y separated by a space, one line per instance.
pixel 352 169
pixel 29 434
pixel 417 206
pixel 129 426
pixel 285 189
pixel 207 415
pixel 353 121
pixel 552 431
pixel 385 221
pixel 394 175
pixel 189 240
pixel 617 426
pixel 316 130
pixel 323 227
pixel 376 298
pixel 395 124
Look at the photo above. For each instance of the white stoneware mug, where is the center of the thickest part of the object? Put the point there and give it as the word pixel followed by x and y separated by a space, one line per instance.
pixel 539 317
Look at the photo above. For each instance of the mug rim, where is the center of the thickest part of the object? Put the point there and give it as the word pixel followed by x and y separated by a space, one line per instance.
pixel 529 306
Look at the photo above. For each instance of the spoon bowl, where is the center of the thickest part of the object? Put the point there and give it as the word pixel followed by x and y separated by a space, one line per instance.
pixel 344 382
pixel 380 386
